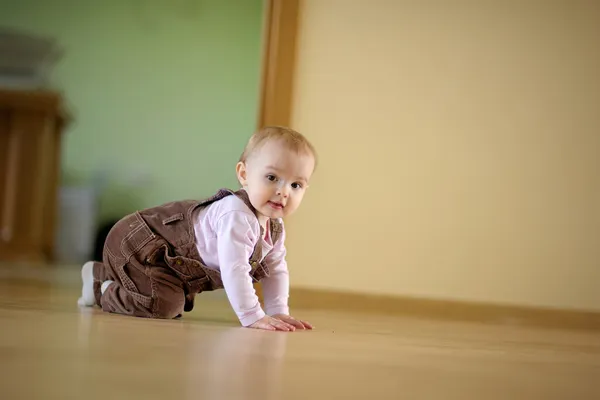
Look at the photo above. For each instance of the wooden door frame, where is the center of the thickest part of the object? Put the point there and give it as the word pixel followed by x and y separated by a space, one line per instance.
pixel 280 28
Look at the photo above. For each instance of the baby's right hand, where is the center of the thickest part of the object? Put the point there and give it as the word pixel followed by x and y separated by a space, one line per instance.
pixel 272 324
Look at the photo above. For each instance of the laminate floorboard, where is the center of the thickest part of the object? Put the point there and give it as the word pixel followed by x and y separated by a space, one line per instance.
pixel 52 349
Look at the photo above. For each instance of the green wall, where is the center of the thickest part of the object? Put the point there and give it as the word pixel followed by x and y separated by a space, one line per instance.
pixel 164 93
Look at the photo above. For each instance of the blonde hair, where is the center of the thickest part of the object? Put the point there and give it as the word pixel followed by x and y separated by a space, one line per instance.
pixel 292 139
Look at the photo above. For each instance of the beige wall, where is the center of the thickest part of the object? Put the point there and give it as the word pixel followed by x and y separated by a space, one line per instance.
pixel 460 147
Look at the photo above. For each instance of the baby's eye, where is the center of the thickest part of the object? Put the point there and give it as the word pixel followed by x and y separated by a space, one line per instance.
pixel 296 185
pixel 271 177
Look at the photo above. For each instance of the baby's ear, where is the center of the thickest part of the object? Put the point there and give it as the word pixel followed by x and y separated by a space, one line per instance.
pixel 241 173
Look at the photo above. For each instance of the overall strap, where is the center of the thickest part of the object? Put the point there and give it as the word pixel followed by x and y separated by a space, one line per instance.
pixel 276 230
pixel 222 193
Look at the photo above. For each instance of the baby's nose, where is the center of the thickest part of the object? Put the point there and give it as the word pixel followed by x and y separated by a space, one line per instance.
pixel 282 191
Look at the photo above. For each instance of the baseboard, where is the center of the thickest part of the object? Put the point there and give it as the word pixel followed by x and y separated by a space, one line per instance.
pixel 303 298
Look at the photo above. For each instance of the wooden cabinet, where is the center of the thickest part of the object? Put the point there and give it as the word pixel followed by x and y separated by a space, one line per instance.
pixel 31 125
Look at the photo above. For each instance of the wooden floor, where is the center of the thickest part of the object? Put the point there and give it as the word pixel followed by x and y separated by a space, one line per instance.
pixel 51 349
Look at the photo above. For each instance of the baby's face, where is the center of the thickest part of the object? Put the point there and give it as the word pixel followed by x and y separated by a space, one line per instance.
pixel 276 179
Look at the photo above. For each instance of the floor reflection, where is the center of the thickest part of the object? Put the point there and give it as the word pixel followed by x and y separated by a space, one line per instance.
pixel 236 361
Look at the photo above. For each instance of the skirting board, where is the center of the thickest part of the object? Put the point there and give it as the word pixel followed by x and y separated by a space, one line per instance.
pixel 303 298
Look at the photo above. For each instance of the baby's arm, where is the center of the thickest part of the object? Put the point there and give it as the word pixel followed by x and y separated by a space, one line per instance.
pixel 236 236
pixel 235 243
pixel 276 287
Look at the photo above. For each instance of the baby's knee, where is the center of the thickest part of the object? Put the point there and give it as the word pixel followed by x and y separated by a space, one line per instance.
pixel 169 308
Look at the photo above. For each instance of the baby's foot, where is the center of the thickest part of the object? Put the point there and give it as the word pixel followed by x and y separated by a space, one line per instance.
pixel 87 298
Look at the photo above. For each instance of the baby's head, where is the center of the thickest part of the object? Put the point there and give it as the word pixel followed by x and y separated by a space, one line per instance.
pixel 275 169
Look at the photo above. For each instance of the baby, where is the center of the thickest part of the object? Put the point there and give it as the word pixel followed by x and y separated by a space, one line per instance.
pixel 156 260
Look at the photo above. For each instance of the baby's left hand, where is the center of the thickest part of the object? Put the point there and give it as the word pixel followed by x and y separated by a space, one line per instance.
pixel 292 321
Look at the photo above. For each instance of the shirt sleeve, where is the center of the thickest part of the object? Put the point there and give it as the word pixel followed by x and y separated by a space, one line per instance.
pixel 236 236
pixel 276 286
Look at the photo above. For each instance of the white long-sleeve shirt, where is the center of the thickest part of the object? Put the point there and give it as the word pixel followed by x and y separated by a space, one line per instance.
pixel 226 233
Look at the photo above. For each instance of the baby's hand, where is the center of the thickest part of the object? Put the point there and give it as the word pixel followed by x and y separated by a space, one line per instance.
pixel 272 324
pixel 294 322
pixel 280 322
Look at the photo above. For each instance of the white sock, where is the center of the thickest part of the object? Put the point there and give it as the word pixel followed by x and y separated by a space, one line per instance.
pixel 87 298
pixel 105 286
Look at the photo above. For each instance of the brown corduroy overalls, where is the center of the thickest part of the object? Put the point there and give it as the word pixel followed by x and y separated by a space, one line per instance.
pixel 152 258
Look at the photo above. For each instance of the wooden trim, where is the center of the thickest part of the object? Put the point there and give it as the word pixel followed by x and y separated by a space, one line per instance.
pixel 450 310
pixel 265 42
pixel 279 58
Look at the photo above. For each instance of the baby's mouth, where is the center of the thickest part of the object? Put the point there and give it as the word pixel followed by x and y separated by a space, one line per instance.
pixel 276 205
